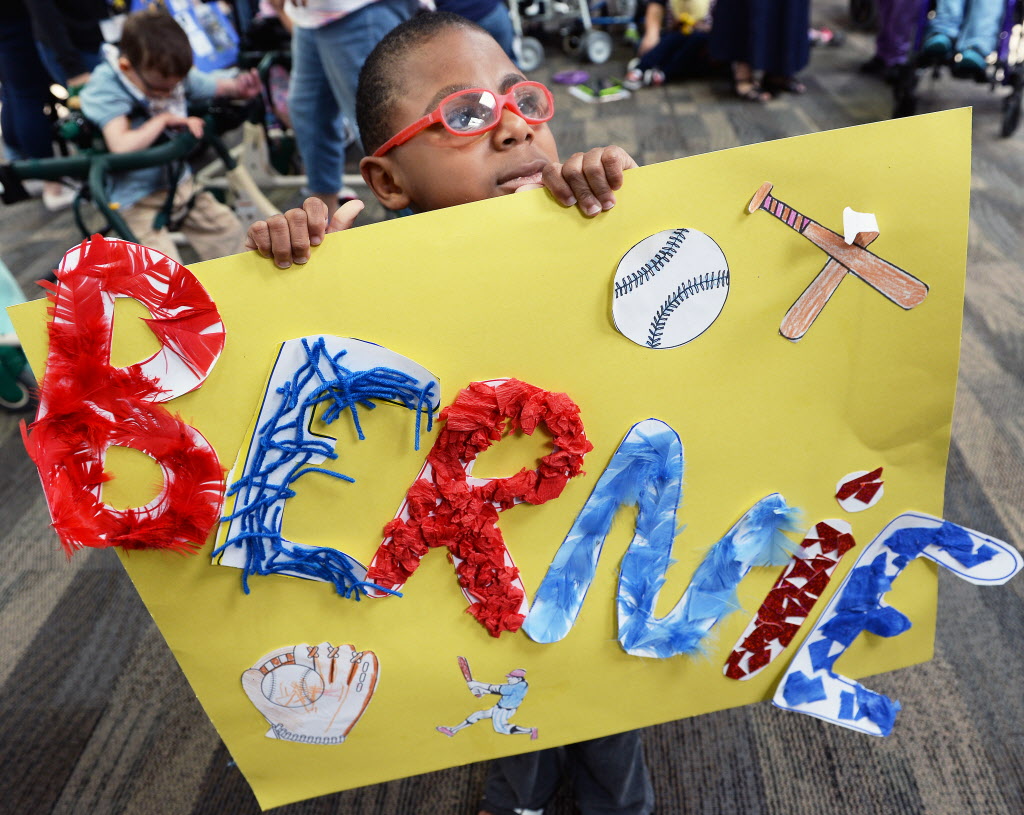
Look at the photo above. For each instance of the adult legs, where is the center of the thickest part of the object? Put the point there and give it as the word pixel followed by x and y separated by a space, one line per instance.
pixel 315 116
pixel 498 24
pixel 25 90
pixel 90 59
pixel 897 26
pixel 324 86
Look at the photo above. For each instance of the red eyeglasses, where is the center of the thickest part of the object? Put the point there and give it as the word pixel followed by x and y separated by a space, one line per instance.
pixel 474 111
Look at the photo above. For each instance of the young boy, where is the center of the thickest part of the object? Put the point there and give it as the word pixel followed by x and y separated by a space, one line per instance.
pixel 411 71
pixel 135 100
pixel 493 141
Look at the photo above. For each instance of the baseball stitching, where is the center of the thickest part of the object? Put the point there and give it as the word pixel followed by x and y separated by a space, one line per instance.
pixel 654 265
pixel 705 282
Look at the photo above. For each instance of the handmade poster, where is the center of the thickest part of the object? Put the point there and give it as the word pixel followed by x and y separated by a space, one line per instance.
pixel 334 648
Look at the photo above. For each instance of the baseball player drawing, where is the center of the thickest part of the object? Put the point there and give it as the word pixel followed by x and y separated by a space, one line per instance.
pixel 510 696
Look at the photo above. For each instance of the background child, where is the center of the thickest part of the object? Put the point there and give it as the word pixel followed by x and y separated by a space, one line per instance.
pixel 674 43
pixel 135 99
pixel 494 140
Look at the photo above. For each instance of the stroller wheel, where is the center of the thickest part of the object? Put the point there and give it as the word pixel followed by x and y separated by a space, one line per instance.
pixel 1011 113
pixel 530 54
pixel 597 45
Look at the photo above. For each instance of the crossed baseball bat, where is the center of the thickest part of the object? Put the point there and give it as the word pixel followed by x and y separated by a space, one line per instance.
pixel 901 287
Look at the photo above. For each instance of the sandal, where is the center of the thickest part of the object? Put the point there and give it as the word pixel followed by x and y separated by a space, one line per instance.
pixel 750 91
pixel 784 84
pixel 745 84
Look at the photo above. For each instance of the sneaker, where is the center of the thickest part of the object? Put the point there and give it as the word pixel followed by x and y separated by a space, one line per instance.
pixel 533 734
pixel 937 46
pixel 636 79
pixel 446 730
pixel 633 80
pixel 970 64
pixel 58 197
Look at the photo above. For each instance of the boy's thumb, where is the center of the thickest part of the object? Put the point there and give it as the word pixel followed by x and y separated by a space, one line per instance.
pixel 345 217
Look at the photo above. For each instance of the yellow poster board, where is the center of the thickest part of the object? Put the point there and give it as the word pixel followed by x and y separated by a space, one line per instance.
pixel 519 287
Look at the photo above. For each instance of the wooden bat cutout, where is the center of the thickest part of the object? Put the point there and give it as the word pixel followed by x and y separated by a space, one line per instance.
pixel 900 286
pixel 809 304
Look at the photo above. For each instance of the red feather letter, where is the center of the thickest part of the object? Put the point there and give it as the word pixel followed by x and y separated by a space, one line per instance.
pixel 86 405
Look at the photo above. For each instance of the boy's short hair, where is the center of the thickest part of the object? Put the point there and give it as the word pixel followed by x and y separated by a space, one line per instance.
pixel 153 41
pixel 380 80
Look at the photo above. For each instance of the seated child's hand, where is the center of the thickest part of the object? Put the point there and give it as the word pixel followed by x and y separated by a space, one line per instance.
pixel 193 123
pixel 287 238
pixel 589 179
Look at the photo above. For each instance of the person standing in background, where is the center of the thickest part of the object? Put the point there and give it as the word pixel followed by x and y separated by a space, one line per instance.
pixel 330 42
pixel 490 15
pixel 766 43
pixel 68 36
pixel 24 95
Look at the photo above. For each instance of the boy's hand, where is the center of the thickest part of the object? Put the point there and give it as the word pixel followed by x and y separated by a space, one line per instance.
pixel 287 238
pixel 193 123
pixel 589 179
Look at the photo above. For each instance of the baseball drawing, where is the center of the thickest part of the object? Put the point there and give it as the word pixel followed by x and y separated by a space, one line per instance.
pixel 292 685
pixel 670 288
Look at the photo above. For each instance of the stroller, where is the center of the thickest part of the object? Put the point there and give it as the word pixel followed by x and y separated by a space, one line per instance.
pixel 574 21
pixel 1005 69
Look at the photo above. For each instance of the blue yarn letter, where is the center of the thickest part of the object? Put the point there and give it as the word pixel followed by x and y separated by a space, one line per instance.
pixel 308 373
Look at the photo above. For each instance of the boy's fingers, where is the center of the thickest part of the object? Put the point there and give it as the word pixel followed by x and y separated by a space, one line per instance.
pixel 295 244
pixel 316 218
pixel 346 215
pixel 258 238
pixel 556 185
pixel 616 161
pixel 271 239
pixel 584 173
pixel 592 178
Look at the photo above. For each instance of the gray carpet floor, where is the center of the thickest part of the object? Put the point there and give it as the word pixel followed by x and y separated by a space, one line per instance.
pixel 95 716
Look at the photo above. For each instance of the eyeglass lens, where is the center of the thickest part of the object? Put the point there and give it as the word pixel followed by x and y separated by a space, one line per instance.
pixel 475 110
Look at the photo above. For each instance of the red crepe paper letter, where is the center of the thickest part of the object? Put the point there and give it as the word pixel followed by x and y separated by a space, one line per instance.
pixel 447 507
pixel 86 405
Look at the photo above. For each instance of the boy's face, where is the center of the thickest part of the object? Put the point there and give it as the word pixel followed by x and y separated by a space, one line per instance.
pixel 153 84
pixel 435 169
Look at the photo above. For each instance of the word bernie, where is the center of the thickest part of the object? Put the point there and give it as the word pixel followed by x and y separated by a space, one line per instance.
pixel 86 405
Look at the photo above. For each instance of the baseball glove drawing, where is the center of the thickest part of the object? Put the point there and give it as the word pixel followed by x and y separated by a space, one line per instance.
pixel 313 694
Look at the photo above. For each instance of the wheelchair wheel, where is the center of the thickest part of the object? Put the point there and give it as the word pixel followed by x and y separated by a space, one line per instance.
pixel 863 13
pixel 597 45
pixel 530 53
